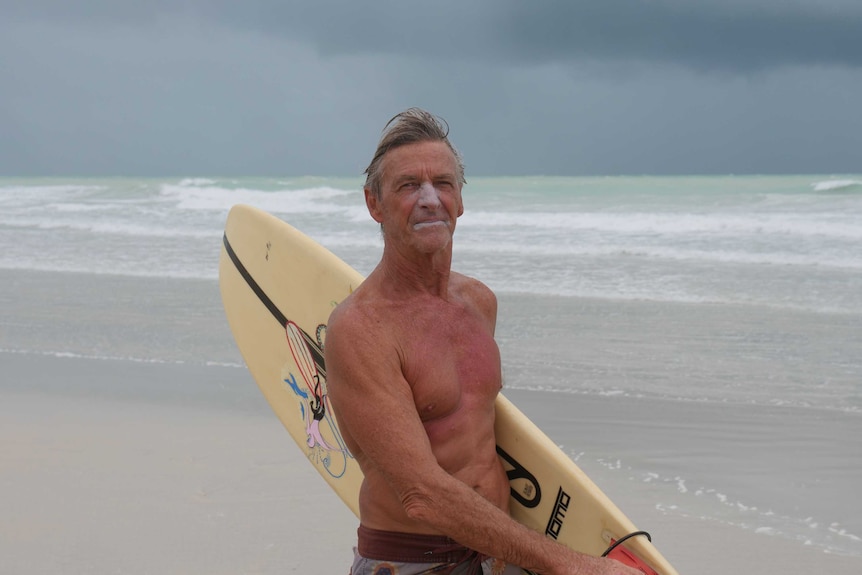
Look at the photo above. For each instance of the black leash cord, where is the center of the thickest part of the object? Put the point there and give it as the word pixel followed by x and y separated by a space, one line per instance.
pixel 616 543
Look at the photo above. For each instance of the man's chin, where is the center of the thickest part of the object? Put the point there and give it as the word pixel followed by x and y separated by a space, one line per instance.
pixel 433 242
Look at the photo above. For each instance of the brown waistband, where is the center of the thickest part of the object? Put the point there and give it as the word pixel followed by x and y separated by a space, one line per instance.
pixel 410 547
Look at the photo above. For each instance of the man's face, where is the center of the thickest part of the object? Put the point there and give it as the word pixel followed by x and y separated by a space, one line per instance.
pixel 420 196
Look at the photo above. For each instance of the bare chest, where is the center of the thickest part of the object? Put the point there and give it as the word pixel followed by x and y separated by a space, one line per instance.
pixel 452 363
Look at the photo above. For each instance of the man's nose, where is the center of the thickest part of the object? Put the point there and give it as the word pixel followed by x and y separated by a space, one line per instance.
pixel 428 195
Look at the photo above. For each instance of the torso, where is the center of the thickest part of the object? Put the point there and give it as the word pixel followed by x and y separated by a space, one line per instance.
pixel 448 355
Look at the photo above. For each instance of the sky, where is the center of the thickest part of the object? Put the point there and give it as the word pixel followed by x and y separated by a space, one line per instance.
pixel 169 88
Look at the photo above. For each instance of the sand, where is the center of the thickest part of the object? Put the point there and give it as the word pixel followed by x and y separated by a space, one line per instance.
pixel 96 484
pixel 140 479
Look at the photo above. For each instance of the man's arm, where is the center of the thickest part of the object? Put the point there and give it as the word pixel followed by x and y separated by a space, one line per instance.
pixel 371 399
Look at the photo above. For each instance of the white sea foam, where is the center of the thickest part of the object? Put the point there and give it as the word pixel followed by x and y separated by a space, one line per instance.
pixel 78 207
pixel 70 355
pixel 130 269
pixel 564 249
pixel 835 185
pixel 14 194
pixel 220 199
pixel 717 396
pixel 715 224
pixel 110 227
pixel 709 504
pixel 196 182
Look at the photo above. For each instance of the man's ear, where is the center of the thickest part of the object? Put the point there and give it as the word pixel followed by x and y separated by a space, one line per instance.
pixel 373 205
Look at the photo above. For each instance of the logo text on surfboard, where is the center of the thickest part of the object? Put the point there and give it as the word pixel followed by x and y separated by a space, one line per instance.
pixel 558 515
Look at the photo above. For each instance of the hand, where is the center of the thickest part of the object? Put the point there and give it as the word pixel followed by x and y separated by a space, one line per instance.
pixel 605 566
pixel 570 562
pixel 614 567
pixel 599 566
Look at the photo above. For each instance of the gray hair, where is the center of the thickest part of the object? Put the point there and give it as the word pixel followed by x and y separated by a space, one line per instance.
pixel 409 127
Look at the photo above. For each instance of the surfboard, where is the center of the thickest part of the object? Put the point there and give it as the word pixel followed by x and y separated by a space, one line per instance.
pixel 278 288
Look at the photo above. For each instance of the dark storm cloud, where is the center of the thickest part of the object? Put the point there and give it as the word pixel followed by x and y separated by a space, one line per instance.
pixel 713 34
pixel 721 35
pixel 726 35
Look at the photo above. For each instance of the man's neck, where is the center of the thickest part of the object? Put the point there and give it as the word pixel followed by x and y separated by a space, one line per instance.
pixel 416 274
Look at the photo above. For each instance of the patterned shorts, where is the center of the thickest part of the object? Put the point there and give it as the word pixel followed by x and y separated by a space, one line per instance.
pixel 393 553
pixel 363 566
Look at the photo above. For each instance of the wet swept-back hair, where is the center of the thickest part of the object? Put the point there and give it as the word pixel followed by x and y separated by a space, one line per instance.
pixel 409 127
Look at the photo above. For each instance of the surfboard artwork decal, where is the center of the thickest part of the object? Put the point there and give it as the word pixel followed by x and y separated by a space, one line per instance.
pixel 314 405
pixel 305 376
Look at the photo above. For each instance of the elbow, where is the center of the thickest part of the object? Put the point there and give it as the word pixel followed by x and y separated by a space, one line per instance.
pixel 419 504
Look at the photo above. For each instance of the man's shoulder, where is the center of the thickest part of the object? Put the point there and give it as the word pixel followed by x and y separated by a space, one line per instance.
pixel 476 294
pixel 362 332
pixel 471 288
pixel 361 311
pixel 352 310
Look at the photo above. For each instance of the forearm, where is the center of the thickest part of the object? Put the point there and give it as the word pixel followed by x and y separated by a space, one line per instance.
pixel 455 509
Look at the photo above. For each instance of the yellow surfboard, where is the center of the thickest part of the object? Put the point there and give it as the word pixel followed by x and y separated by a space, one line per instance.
pixel 279 286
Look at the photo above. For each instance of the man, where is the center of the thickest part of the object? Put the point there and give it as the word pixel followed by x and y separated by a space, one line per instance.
pixel 413 371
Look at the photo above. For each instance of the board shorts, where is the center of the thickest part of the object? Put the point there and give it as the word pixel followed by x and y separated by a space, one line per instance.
pixel 393 553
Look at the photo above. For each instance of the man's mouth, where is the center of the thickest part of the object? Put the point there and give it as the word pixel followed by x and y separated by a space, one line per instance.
pixel 428 224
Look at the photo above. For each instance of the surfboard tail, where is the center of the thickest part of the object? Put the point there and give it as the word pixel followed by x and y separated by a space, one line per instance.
pixel 627 557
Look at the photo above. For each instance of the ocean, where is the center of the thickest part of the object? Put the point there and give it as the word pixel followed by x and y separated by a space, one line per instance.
pixel 779 241
pixel 730 307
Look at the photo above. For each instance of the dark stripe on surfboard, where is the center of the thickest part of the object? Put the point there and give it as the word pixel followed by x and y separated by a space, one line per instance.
pixel 316 352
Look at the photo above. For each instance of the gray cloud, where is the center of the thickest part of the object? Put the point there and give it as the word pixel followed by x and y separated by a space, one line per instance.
pixel 190 87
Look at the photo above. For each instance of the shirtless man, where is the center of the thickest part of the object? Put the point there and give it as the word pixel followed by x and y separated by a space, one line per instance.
pixel 413 371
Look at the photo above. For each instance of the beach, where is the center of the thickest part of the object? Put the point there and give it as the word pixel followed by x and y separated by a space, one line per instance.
pixel 94 484
pixel 134 440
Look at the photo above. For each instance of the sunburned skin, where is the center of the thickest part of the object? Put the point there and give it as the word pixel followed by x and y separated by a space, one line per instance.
pixel 450 363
